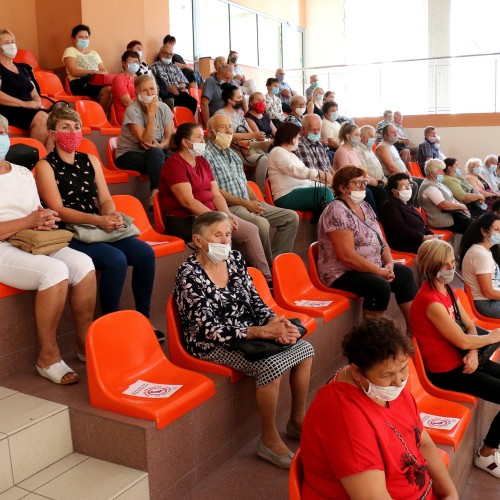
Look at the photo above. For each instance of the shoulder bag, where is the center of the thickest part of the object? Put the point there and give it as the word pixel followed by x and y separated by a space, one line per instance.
pixel 88 233
pixel 40 242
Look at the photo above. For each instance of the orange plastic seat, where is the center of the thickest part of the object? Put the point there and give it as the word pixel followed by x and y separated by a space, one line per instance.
pixel 431 388
pixel 179 355
pixel 265 294
pixel 269 199
pixel 295 477
pixel 312 261
pixel 487 323
pixel 112 116
pixel 161 244
pixel 414 169
pixel 405 258
pixel 292 283
pixel 494 322
pixel 256 190
pixel 439 407
pixel 183 115
pixel 196 93
pixel 42 152
pixel 50 85
pixel 17 131
pixel 27 57
pixel 6 290
pixel 444 234
pixel 121 349
pixel 159 224
pixel 111 146
pixel 93 116
pixel 111 176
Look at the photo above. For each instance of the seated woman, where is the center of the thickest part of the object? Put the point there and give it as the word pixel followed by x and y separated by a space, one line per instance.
pixel 50 275
pixel 346 154
pixel 404 227
pixel 293 185
pixel 298 106
pixel 353 255
pixel 450 354
pixel 315 105
pixel 461 190
pixel 474 177
pixel 188 188
pixel 81 63
pixel 20 102
pixel 145 133
pixel 246 86
pixel 363 432
pixel 218 304
pixel 274 106
pixel 479 269
pixel 442 210
pixel 73 184
pixel 136 46
pixel 257 118
pixel 122 87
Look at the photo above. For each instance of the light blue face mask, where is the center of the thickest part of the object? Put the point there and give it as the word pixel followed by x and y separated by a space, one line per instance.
pixel 439 178
pixel 4 146
pixel 313 137
pixel 494 239
pixel 82 43
pixel 275 90
pixel 477 170
pixel 458 172
pixel 133 67
pixel 334 115
pixel 370 142
pixel 166 60
pixel 493 168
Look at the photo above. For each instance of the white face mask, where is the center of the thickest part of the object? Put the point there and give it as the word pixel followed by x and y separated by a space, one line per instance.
pixel 197 149
pixel 384 393
pixel 218 252
pixel 357 196
pixel 445 276
pixel 9 50
pixel 405 195
pixel 146 99
pixel 140 53
pixel 300 111
pixel 295 145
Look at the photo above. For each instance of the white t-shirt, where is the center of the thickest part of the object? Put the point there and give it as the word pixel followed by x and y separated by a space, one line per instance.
pixel 478 260
pixel 329 129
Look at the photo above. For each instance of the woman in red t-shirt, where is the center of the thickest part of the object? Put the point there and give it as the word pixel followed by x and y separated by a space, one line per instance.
pixel 122 87
pixel 363 431
pixel 450 355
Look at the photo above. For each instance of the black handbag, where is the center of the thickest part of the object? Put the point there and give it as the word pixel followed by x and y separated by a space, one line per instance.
pixel 22 154
pixel 484 353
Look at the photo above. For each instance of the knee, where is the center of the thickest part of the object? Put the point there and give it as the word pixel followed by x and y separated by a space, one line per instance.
pixel 379 296
pixel 105 93
pixel 156 154
pixel 40 119
pixel 117 263
pixel 57 274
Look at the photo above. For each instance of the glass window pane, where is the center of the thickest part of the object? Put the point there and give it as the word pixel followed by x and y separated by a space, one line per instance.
pixel 244 35
pixel 269 43
pixel 181 26
pixel 213 33
pixel 292 47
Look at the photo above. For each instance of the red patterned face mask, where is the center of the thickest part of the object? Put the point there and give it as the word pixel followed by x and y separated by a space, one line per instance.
pixel 260 107
pixel 69 141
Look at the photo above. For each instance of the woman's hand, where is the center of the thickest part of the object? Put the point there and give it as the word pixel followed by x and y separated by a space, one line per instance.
pixel 110 222
pixel 150 107
pixel 234 222
pixel 282 330
pixel 471 361
pixel 260 136
pixel 43 219
pixel 31 104
pixel 387 272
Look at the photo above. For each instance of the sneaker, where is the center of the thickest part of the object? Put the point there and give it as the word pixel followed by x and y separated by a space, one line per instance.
pixel 159 335
pixel 490 464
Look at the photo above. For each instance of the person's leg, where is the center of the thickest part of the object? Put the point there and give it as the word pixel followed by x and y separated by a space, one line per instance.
pixel 304 198
pixel 405 289
pixel 460 222
pixel 490 308
pixel 132 161
pixel 247 236
pixel 286 223
pixel 105 98
pixel 113 264
pixel 155 159
pixel 141 257
pixel 414 192
pixel 38 130
pixel 261 173
pixel 299 385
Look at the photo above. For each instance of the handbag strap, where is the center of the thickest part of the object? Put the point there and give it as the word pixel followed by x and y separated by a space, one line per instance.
pixel 451 294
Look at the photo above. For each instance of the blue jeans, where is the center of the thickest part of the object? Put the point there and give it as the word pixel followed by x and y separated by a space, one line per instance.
pixel 112 259
pixel 490 308
pixel 148 162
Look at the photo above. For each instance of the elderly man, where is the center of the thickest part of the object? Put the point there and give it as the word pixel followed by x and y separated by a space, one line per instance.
pixel 242 200
pixel 391 161
pixel 310 150
pixel 429 149
pixel 313 80
pixel 490 172
pixel 403 139
pixel 172 84
pixel 386 120
pixel 211 94
pixel 178 60
pixel 286 92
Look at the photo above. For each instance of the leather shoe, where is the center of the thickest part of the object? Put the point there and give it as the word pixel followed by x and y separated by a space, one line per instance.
pixel 292 431
pixel 265 453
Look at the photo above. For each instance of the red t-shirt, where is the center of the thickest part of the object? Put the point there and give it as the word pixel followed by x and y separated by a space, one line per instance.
pixel 177 170
pixel 122 85
pixel 438 353
pixel 346 433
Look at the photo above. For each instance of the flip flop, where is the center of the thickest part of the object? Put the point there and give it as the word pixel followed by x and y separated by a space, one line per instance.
pixel 56 372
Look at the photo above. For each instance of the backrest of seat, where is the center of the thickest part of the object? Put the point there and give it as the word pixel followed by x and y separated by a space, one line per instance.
pixel 49 83
pixel 194 93
pixel 268 193
pixel 159 224
pixel 413 384
pixel 312 261
pixel 91 113
pixel 28 141
pixel 88 147
pixel 112 116
pixel 290 276
pixel 26 56
pixel 111 146
pixel 256 190
pixel 130 205
pixel 295 478
pixel 261 285
pixel 183 115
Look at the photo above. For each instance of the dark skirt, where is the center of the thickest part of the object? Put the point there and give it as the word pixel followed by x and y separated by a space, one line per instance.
pixel 19 117
pixel 81 86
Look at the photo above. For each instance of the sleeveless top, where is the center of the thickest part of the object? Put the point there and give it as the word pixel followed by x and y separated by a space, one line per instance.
pixel 16 85
pixel 76 182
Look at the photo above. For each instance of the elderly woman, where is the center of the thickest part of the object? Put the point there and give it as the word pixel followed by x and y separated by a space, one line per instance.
pixel 461 190
pixel 257 118
pixel 442 210
pixel 145 133
pixel 479 269
pixel 73 184
pixel 50 275
pixel 20 101
pixel 219 305
pixel 451 354
pixel 81 63
pixel 349 139
pixel 315 105
pixel 363 432
pixel 274 106
pixel 293 185
pixel 298 106
pixel 188 188
pixel 404 227
pixel 122 87
pixel 474 177
pixel 353 255
pixel 246 86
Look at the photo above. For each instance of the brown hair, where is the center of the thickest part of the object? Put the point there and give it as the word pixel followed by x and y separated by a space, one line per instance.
pixel 344 175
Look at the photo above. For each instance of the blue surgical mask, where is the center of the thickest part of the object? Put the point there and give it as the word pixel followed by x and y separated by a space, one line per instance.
pixel 140 53
pixel 334 115
pixel 477 170
pixel 133 67
pixel 82 43
pixel 275 90
pixel 166 60
pixel 493 168
pixel 313 137
pixel 370 143
pixel 494 239
pixel 4 146
pixel 458 172
pixel 439 178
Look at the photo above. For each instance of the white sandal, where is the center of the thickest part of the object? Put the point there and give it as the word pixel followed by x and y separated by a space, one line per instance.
pixel 56 372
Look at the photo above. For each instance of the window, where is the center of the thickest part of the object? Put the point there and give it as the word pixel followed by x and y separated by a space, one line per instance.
pixel 244 35
pixel 181 26
pixel 213 29
pixel 269 43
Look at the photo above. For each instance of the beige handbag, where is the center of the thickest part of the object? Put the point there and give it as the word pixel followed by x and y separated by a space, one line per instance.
pixel 40 242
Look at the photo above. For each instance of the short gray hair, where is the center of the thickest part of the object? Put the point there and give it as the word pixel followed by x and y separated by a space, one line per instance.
pixel 307 118
pixel 433 165
pixel 490 157
pixel 207 219
pixel 5 123
pixel 142 79
pixel 365 128
pixel 297 99
pixel 470 164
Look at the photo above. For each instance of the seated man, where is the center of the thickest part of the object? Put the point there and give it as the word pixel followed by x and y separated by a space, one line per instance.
pixel 241 199
pixel 490 172
pixel 391 161
pixel 403 141
pixel 429 149
pixel 386 120
pixel 189 73
pixel 313 80
pixel 310 150
pixel 172 84
pixel 211 94
pixel 286 92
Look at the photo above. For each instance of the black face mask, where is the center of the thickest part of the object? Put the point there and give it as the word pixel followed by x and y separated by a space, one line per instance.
pixel 233 59
pixel 238 105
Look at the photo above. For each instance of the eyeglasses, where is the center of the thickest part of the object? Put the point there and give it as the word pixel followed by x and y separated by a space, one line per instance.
pixel 360 184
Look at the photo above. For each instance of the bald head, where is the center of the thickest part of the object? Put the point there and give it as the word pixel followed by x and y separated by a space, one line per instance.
pixel 311 124
pixel 220 123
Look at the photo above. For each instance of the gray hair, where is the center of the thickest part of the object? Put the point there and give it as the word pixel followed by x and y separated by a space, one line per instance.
pixel 365 129
pixel 207 219
pixel 433 165
pixel 4 122
pixel 142 79
pixel 307 118
pixel 297 99
pixel 470 164
pixel 490 157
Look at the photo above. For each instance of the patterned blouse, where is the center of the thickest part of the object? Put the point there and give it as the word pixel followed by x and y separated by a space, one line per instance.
pixel 211 316
pixel 337 216
pixel 274 107
pixel 76 182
